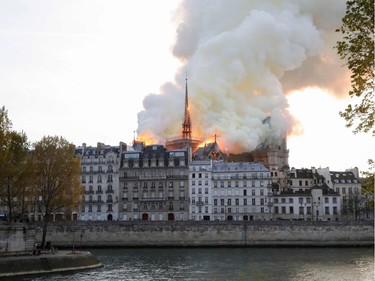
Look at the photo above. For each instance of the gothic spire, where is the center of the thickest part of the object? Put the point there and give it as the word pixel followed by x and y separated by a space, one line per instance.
pixel 186 125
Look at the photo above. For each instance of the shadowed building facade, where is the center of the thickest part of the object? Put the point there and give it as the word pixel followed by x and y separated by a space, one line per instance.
pixel 154 184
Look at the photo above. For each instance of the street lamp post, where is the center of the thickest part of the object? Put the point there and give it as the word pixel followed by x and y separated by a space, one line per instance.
pixel 80 247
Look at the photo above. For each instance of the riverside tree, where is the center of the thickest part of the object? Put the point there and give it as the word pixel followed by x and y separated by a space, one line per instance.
pixel 13 166
pixel 56 178
pixel 357 49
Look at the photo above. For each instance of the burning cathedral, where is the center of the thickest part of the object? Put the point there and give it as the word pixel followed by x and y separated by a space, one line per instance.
pixel 273 153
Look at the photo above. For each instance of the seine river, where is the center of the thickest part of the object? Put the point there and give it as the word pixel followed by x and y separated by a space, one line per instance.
pixel 196 264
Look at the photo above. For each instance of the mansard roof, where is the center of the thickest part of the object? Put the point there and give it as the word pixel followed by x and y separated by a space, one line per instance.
pixel 155 151
pixel 343 177
pixel 221 166
pixel 101 150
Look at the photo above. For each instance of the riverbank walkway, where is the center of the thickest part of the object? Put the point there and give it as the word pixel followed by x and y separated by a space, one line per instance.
pixel 46 262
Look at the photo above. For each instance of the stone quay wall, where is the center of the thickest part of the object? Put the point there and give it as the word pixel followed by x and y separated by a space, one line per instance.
pixel 207 234
pixel 16 238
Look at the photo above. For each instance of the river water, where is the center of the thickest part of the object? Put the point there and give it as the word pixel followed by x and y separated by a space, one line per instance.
pixel 299 264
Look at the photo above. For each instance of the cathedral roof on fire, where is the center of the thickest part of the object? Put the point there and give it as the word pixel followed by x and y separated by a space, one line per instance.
pixel 208 151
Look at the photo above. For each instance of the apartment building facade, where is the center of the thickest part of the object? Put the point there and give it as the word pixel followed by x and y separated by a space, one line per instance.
pixel 229 191
pixel 154 184
pixel 100 181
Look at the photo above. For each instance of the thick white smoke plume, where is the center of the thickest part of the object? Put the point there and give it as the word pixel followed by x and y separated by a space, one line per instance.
pixel 241 58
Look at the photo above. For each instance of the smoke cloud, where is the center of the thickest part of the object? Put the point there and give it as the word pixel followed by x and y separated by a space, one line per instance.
pixel 242 58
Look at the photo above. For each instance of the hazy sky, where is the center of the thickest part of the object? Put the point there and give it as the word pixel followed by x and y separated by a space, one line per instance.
pixel 82 69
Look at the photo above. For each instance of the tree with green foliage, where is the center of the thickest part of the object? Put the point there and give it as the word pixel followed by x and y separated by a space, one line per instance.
pixel 368 186
pixel 357 49
pixel 13 166
pixel 55 178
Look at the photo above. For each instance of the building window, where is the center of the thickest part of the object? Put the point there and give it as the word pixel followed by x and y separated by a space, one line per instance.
pixel 334 200
pixel 327 210
pixel 109 208
pixel 335 210
pixel 283 210
pixel 290 200
pixel 253 201
pixel 276 209
pixel 291 210
pixel 326 200
pixel 109 178
pixel 237 201
pixel 245 201
pixel 215 202
pixel 229 202
pixel 253 192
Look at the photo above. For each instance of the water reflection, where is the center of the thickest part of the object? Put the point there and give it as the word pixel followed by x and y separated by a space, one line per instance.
pixel 229 264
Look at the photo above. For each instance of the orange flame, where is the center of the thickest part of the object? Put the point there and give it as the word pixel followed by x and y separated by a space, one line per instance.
pixel 207 141
pixel 147 138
